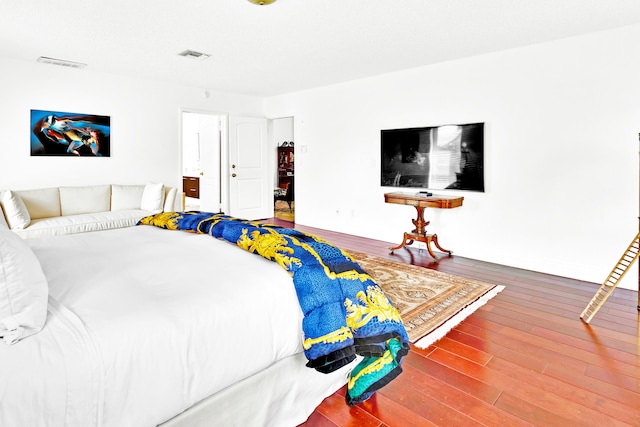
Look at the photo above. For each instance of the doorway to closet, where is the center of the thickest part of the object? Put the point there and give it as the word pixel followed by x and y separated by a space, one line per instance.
pixel 284 177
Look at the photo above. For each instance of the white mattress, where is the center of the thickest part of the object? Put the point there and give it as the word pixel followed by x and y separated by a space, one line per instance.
pixel 142 324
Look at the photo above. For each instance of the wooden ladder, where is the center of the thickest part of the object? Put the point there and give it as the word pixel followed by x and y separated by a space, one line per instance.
pixel 618 272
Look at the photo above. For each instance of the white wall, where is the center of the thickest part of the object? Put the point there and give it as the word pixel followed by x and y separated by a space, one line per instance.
pixel 145 124
pixel 282 130
pixel 561 153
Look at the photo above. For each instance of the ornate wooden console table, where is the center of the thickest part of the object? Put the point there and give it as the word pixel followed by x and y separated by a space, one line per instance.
pixel 420 203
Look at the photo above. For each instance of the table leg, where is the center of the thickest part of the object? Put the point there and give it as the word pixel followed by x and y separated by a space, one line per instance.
pixel 428 243
pixel 420 234
pixel 434 239
pixel 406 240
pixel 409 238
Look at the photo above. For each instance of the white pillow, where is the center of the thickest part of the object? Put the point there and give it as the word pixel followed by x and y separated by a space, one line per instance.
pixel 23 289
pixel 153 197
pixel 86 199
pixel 41 203
pixel 15 210
pixel 126 197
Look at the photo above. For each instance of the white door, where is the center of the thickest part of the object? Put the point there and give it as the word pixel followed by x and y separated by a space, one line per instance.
pixel 249 170
pixel 209 141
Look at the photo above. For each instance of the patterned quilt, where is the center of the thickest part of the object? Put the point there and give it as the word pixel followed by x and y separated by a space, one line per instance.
pixel 345 312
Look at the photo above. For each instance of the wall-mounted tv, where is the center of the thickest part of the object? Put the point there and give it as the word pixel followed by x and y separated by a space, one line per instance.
pixel 437 157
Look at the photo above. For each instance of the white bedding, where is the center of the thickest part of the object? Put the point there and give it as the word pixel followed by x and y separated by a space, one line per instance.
pixel 142 324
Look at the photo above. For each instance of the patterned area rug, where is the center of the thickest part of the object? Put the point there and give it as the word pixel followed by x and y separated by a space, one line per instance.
pixel 430 302
pixel 283 212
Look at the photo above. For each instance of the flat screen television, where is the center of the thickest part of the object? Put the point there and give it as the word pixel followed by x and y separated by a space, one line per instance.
pixel 436 157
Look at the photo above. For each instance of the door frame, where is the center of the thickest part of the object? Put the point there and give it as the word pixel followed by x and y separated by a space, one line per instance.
pixel 224 146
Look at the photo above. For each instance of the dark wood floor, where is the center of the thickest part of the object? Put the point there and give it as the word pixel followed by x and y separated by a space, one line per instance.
pixel 525 358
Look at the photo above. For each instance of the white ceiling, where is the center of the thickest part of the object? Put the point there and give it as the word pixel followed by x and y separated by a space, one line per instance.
pixel 290 45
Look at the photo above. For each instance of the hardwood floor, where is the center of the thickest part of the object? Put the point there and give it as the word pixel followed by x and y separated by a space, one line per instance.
pixel 525 358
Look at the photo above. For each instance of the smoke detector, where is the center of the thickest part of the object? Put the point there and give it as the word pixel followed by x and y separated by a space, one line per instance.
pixel 61 62
pixel 194 55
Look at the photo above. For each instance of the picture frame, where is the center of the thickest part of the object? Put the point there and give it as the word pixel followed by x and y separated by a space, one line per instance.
pixel 64 134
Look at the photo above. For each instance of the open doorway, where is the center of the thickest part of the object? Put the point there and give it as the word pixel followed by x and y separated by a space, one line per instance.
pixel 201 160
pixel 284 179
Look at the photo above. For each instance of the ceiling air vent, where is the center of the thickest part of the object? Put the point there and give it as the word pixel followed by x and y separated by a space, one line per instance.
pixel 61 62
pixel 194 55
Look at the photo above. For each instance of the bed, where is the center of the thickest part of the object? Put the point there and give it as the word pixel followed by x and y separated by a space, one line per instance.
pixel 149 327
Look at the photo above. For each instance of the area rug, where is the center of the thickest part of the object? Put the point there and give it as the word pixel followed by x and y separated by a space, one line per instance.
pixel 282 211
pixel 430 302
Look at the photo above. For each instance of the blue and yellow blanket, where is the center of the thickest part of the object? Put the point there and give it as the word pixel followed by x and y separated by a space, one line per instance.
pixel 345 311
